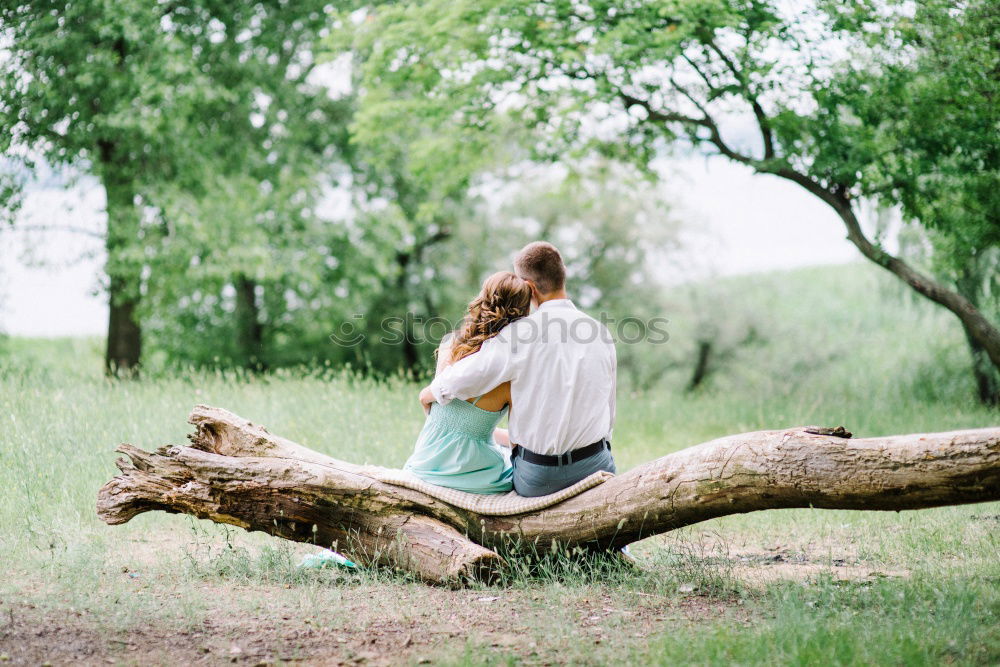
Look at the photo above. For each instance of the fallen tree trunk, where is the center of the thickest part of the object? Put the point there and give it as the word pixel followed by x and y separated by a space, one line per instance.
pixel 236 472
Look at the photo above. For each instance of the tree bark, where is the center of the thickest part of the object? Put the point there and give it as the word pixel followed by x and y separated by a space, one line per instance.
pixel 124 343
pixel 984 373
pixel 977 326
pixel 701 365
pixel 236 472
pixel 986 376
pixel 249 330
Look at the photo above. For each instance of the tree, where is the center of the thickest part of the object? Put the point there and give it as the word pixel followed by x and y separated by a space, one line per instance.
pixel 590 211
pixel 933 151
pixel 403 220
pixel 238 473
pixel 143 94
pixel 409 205
pixel 892 101
pixel 230 269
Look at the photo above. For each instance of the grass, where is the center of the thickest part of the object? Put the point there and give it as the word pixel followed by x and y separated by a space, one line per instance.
pixel 838 345
pixel 920 620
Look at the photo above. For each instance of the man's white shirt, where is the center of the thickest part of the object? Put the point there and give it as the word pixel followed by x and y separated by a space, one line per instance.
pixel 561 364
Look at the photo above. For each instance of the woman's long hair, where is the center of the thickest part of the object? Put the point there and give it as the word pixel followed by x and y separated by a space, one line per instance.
pixel 503 299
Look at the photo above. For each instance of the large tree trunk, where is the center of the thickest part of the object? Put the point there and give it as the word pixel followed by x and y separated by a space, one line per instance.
pixel 249 329
pixel 123 265
pixel 985 375
pixel 983 335
pixel 124 344
pixel 236 472
pixel 978 328
pixel 970 283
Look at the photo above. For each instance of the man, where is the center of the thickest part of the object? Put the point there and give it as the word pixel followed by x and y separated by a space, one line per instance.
pixel 561 365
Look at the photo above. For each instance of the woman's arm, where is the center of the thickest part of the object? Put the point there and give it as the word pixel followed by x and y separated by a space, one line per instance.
pixel 444 354
pixel 501 436
pixel 443 361
pixel 426 398
pixel 474 375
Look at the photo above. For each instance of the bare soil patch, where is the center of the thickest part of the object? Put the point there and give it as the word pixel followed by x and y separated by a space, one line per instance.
pixel 381 623
pixel 376 625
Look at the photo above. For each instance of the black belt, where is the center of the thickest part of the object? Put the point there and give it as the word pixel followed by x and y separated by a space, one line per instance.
pixel 573 456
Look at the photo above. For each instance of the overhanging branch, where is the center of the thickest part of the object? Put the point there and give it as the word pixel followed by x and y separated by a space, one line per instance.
pixel 763 122
pixel 690 123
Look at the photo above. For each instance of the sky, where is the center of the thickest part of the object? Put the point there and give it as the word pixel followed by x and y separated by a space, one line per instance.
pixel 737 222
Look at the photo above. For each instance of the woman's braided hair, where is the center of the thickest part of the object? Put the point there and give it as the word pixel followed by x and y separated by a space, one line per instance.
pixel 503 299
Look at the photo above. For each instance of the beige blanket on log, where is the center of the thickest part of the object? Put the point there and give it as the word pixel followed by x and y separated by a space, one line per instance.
pixel 493 504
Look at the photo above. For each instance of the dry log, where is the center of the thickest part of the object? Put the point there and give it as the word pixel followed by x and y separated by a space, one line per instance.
pixel 238 473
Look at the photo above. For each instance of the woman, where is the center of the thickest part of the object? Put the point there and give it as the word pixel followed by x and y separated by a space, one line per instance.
pixel 458 446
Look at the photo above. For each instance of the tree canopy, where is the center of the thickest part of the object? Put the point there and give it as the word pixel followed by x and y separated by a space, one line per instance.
pixel 153 96
pixel 887 100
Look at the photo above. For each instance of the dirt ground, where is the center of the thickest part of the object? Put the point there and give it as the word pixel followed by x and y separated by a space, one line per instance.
pixel 387 624
pixel 30 635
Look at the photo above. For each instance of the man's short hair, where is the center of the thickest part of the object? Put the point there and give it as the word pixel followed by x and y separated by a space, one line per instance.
pixel 542 264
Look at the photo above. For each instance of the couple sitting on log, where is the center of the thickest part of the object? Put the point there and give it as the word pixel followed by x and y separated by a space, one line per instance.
pixel 552 370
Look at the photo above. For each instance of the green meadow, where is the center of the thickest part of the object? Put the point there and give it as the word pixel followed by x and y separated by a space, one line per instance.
pixel 836 345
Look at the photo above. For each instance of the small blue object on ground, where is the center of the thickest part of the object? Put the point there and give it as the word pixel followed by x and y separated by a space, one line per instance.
pixel 327 558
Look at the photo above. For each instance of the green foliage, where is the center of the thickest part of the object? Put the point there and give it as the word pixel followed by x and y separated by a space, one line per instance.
pixel 816 82
pixel 889 101
pixel 397 275
pixel 217 146
pixel 261 235
pixel 159 87
pixel 918 112
pixel 180 110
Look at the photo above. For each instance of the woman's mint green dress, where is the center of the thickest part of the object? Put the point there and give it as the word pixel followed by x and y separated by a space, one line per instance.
pixel 456 449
